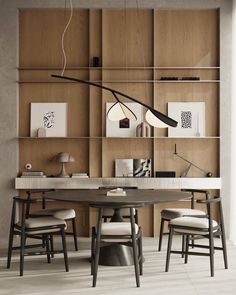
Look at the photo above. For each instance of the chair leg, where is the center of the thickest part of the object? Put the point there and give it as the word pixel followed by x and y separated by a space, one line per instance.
pixel 63 237
pixel 74 234
pixel 192 242
pixel 48 249
pixel 169 249
pixel 161 234
pixel 223 240
pixel 140 247
pixel 93 250
pixel 10 245
pixel 135 256
pixel 22 253
pixel 183 246
pixel 211 247
pixel 186 249
pixel 51 245
pixel 97 247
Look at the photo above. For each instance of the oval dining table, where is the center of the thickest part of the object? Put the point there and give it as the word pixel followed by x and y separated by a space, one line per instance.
pixel 117 255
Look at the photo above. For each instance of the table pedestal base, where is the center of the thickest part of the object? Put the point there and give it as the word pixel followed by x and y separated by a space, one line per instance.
pixel 116 255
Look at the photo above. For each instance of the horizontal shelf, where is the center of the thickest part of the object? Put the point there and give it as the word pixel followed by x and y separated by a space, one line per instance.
pixel 105 137
pixel 116 68
pixel 187 81
pixel 141 182
pixel 128 81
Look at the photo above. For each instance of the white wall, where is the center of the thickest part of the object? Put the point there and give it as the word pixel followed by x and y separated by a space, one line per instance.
pixel 9 95
pixel 233 134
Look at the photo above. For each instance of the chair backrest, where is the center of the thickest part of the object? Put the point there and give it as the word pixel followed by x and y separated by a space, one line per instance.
pixel 37 191
pixel 209 203
pixel 195 191
pixel 20 205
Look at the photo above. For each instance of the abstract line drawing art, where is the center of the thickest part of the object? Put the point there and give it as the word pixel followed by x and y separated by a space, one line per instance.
pixel 50 116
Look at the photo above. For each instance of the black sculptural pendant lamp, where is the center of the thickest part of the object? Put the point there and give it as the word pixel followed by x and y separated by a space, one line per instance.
pixel 119 110
pixel 153 116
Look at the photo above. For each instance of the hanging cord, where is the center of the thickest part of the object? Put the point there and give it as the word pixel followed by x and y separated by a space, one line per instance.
pixel 126 48
pixel 62 39
pixel 140 41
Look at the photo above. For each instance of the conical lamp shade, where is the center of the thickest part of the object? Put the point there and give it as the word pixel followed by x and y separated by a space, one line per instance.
pixel 154 121
pixel 120 111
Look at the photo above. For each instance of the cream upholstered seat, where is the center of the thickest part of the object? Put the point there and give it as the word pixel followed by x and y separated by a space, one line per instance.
pixel 171 213
pixel 61 213
pixel 117 229
pixel 195 227
pixel 202 224
pixel 168 214
pixel 31 225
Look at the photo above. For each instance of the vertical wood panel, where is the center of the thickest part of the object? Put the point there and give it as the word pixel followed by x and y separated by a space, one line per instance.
pixel 186 38
pixel 40 37
pixel 127 38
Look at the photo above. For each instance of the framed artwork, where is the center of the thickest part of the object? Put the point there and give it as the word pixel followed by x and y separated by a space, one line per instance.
pixel 190 117
pixel 124 168
pixel 125 127
pixel 142 167
pixel 50 116
pixel 133 168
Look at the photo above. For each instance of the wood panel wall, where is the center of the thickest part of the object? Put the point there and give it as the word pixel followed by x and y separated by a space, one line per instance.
pixel 182 43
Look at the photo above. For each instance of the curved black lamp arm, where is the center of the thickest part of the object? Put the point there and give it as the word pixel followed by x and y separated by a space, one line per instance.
pixel 208 174
pixel 167 120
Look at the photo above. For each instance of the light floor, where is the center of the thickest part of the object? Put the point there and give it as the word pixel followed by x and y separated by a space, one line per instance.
pixel 41 278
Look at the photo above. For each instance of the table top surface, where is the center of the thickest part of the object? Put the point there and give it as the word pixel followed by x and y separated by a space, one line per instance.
pixel 133 196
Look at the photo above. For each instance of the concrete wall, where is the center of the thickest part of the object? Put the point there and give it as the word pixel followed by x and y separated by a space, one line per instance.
pixel 9 94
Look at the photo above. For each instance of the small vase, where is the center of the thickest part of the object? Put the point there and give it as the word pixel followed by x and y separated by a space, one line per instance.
pixel 143 130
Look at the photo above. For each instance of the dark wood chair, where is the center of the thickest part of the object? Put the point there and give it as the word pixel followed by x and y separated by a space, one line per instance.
pixel 123 233
pixel 199 226
pixel 34 228
pixel 66 214
pixel 124 212
pixel 168 214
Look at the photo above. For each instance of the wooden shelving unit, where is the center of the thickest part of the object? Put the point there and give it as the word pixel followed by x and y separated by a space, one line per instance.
pixel 135 51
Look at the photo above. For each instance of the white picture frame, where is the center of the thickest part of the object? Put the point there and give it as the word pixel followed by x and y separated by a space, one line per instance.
pixel 113 128
pixel 133 168
pixel 50 116
pixel 190 117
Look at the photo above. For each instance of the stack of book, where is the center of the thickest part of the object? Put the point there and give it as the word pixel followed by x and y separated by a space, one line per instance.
pixel 118 192
pixel 33 174
pixel 79 175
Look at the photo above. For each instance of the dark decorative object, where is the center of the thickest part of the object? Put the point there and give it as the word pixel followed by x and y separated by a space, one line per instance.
pixel 169 78
pixel 165 173
pixel 96 62
pixel 124 123
pixel 184 174
pixel 190 78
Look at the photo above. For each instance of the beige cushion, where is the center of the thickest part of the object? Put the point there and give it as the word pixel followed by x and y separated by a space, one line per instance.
pixel 32 223
pixel 200 223
pixel 124 212
pixel 117 228
pixel 171 213
pixel 61 213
